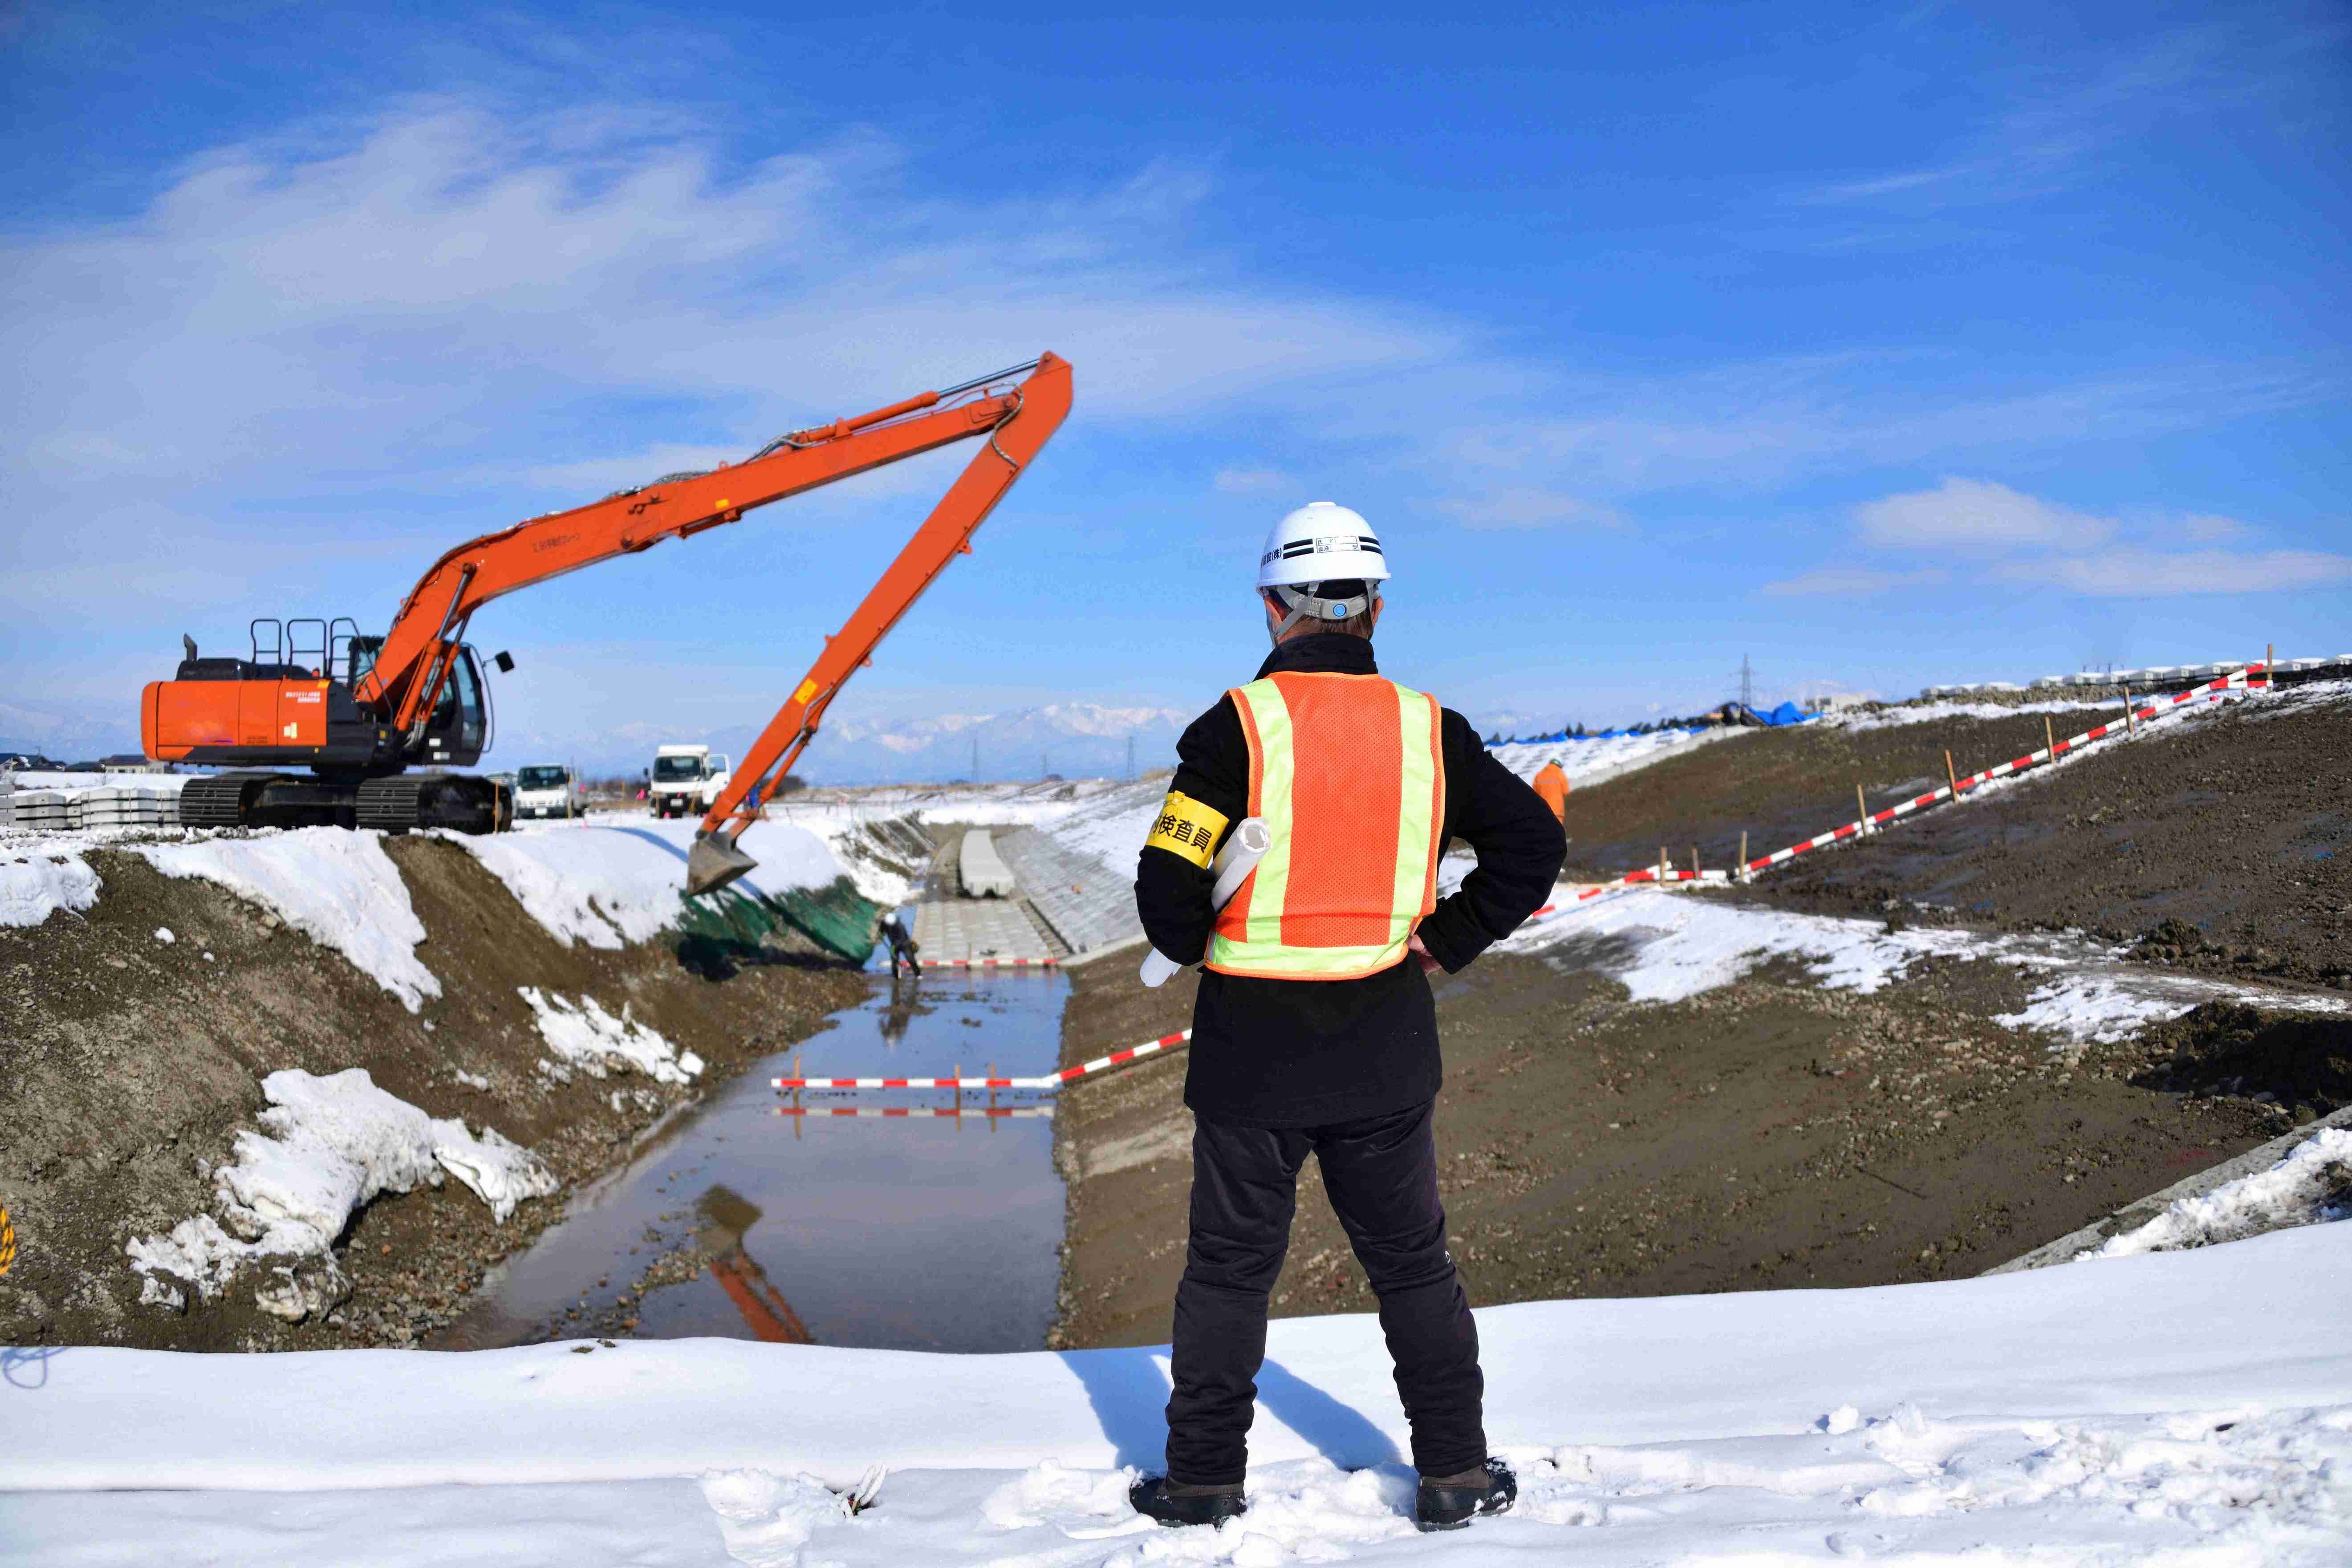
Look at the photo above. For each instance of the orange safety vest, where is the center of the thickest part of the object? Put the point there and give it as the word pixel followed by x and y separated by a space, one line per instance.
pixel 1355 812
pixel 1551 788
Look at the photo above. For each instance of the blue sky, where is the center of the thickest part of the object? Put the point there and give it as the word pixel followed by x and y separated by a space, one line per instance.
pixel 1881 345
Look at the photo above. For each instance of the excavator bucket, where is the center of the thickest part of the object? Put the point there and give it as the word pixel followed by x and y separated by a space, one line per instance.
pixel 712 863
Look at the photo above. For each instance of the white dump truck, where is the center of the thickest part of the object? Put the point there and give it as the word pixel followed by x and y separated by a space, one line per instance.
pixel 685 780
pixel 549 790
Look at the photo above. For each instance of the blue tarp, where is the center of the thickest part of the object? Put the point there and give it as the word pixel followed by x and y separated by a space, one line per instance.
pixel 1787 713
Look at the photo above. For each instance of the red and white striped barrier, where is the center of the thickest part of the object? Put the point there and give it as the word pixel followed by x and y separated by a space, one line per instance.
pixel 991 962
pixel 914 1112
pixel 1047 1082
pixel 2252 676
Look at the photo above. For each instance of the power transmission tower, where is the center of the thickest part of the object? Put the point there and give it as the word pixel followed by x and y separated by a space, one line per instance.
pixel 1130 756
pixel 1747 683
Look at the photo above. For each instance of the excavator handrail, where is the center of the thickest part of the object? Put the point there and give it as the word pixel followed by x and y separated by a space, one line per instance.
pixel 421 644
pixel 1038 405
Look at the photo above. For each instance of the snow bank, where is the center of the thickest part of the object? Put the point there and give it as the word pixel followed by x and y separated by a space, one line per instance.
pixel 608 883
pixel 333 884
pixel 2189 1406
pixel 36 880
pixel 2311 1185
pixel 329 1145
pixel 1666 946
pixel 588 1038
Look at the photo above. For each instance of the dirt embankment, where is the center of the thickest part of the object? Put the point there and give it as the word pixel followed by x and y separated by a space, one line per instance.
pixel 1771 1133
pixel 130 1064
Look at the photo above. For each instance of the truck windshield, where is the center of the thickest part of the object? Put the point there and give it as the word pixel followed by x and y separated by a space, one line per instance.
pixel 676 768
pixel 542 778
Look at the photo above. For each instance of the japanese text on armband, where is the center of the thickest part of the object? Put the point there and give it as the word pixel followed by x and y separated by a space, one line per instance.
pixel 1187 827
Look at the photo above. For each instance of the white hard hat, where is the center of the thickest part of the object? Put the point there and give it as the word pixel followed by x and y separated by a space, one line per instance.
pixel 1321 542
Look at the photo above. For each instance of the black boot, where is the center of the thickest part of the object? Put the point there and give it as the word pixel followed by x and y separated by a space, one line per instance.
pixel 1173 1503
pixel 1448 1502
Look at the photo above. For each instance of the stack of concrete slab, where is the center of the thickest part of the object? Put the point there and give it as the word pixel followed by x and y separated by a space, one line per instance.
pixel 125 809
pixel 981 870
pixel 1088 904
pixel 42 810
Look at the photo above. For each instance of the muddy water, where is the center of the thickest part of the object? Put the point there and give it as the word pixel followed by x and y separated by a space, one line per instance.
pixel 734 1220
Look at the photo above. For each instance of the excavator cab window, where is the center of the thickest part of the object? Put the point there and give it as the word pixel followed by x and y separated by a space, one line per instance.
pixel 362 659
pixel 460 727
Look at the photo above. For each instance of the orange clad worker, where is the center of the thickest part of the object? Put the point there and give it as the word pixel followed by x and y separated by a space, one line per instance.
pixel 1552 785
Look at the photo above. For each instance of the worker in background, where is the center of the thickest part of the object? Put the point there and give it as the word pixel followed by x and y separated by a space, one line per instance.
pixel 1314 1030
pixel 902 944
pixel 1551 788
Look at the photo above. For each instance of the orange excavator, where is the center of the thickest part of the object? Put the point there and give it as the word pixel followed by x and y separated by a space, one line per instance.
pixel 372 720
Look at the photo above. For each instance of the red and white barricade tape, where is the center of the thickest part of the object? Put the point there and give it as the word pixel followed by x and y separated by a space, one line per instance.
pixel 991 962
pixel 915 1112
pixel 1047 1082
pixel 2252 676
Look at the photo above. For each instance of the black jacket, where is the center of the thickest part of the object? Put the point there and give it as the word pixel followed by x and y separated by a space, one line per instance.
pixel 1301 1053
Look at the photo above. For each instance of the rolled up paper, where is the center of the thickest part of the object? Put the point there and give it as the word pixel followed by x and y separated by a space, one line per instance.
pixel 1244 847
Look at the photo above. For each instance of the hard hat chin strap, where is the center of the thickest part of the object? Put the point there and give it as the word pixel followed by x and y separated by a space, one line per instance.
pixel 1306 606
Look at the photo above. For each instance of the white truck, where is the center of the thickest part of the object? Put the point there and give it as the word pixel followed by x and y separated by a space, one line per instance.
pixel 685 781
pixel 549 790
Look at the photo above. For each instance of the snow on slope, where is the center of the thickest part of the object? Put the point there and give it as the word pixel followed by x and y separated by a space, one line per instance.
pixel 335 885
pixel 608 881
pixel 1599 758
pixel 2313 1186
pixel 38 878
pixel 1666 946
pixel 2177 1407
pixel 330 1144
pixel 590 1038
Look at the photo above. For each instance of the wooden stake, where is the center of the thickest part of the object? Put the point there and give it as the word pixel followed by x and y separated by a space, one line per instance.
pixel 1861 806
pixel 1950 777
pixel 1662 865
pixel 2048 738
pixel 2131 725
pixel 2269 660
pixel 1694 862
pixel 959 1097
pixel 1743 854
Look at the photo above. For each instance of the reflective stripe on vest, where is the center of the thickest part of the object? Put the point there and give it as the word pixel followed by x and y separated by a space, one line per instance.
pixel 1354 809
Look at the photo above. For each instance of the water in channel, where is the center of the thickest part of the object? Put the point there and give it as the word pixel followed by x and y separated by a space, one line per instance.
pixel 734 1220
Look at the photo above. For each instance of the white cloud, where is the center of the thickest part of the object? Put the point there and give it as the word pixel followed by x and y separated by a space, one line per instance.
pixel 1254 481
pixel 1976 514
pixel 1529 507
pixel 2129 571
pixel 1848 581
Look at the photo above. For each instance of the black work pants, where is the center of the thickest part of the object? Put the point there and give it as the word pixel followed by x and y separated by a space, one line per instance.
pixel 1382 1173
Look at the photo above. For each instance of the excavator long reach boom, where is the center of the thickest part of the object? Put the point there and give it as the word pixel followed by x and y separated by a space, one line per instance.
pixel 1015 435
pixel 359 713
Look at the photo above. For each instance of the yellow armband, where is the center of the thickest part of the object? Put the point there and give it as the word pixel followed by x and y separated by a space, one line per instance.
pixel 1187 827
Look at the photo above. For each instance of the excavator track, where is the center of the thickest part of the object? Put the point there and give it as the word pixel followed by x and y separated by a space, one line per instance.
pixel 221 800
pixel 459 802
pixel 392 805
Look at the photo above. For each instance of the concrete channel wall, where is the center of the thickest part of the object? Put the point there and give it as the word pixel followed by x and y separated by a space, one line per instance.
pixel 982 871
pixel 1091 906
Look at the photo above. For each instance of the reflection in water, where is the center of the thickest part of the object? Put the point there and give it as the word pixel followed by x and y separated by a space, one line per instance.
pixel 893 1230
pixel 725 1215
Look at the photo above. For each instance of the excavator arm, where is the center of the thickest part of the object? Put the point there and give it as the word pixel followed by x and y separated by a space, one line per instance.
pixel 1043 400
pixel 426 636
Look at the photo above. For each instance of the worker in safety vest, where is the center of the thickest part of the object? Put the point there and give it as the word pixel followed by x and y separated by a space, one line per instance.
pixel 1314 1030
pixel 1551 788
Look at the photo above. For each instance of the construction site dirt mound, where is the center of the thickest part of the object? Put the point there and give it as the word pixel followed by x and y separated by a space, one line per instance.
pixel 132 1062
pixel 2217 840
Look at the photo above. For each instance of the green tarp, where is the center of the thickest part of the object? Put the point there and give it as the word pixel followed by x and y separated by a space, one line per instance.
pixel 835 918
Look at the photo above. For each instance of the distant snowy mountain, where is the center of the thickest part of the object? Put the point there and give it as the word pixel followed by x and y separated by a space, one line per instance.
pixel 67 737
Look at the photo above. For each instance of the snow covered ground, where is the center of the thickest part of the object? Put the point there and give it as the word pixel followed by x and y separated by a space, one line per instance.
pixel 1664 946
pixel 2313 1186
pixel 2190 1407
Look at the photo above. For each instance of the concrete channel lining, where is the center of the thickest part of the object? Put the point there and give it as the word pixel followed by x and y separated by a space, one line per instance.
pixel 954 931
pixel 1088 905
pixel 2131 1217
